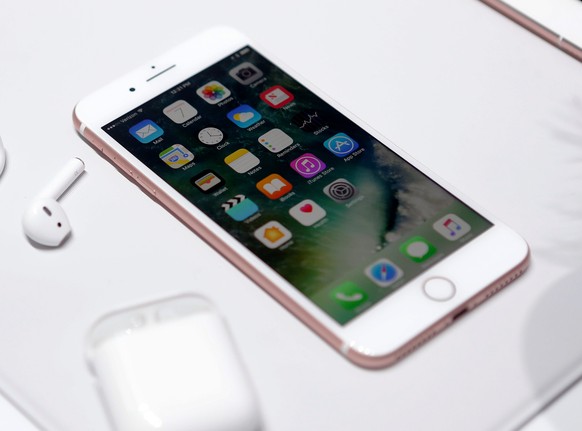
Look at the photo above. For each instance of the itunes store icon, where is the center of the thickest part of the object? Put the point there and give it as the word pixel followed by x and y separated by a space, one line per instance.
pixel 308 165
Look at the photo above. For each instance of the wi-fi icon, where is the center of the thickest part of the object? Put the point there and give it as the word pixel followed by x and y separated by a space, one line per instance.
pixel 140 110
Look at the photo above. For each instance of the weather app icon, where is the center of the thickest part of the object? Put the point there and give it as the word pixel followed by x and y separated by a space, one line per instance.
pixel 244 116
pixel 341 145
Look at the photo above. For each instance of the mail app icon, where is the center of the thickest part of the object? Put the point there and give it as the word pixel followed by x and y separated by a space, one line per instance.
pixel 146 131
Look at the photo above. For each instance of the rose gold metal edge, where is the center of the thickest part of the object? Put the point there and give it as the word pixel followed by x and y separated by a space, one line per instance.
pixel 206 234
pixel 383 361
pixel 536 28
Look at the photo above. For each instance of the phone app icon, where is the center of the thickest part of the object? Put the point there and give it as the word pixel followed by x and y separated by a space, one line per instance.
pixel 349 295
pixel 242 160
pixel 308 121
pixel 246 73
pixel 418 249
pixel 307 212
pixel 275 140
pixel 240 207
pixel 180 111
pixel 244 116
pixel 146 131
pixel 383 272
pixel 341 145
pixel 307 165
pixel 276 97
pixel 273 234
pixel 274 186
pixel 341 190
pixel 207 181
pixel 213 92
pixel 176 156
pixel 452 227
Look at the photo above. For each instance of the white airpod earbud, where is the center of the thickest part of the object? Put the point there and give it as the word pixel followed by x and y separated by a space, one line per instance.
pixel 2 156
pixel 45 221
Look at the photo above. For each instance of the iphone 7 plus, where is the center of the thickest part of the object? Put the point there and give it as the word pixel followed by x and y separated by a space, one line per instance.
pixel 334 221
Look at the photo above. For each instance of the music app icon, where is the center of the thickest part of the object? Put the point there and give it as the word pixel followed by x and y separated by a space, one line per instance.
pixel 308 165
pixel 452 227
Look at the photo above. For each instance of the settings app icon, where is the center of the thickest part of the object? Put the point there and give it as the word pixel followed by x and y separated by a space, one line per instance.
pixel 341 190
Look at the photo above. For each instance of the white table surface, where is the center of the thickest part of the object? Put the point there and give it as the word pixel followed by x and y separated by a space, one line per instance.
pixel 489 107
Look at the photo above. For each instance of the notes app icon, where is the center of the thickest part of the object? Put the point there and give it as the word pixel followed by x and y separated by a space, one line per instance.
pixel 308 165
pixel 242 160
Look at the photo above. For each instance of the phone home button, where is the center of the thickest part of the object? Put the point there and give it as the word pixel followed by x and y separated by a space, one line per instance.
pixel 439 289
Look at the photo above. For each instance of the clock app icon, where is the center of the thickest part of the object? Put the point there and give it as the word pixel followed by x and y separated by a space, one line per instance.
pixel 210 136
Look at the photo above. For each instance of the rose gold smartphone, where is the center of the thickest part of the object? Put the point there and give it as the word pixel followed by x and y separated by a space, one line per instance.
pixel 338 224
pixel 556 21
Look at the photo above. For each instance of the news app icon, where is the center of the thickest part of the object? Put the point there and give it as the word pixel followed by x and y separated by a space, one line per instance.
pixel 146 131
pixel 307 165
pixel 452 227
pixel 274 186
pixel 276 97
pixel 207 181
pixel 176 156
pixel 384 273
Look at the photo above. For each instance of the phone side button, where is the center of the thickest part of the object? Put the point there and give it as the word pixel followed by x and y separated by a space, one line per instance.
pixel 439 288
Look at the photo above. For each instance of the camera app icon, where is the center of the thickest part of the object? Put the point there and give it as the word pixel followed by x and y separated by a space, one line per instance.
pixel 246 73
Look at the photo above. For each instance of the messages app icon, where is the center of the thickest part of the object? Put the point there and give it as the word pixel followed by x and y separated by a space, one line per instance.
pixel 244 116
pixel 146 131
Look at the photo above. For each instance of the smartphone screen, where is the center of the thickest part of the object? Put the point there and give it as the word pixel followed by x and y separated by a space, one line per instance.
pixel 331 209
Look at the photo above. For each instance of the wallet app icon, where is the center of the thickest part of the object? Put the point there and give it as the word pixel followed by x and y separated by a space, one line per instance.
pixel 146 131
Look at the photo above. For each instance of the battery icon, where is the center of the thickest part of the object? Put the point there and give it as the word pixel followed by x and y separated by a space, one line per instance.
pixel 244 51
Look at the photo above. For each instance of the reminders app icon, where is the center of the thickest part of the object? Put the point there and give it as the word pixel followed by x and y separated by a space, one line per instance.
pixel 146 131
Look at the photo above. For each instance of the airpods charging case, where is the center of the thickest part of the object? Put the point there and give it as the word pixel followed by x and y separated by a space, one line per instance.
pixel 171 365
